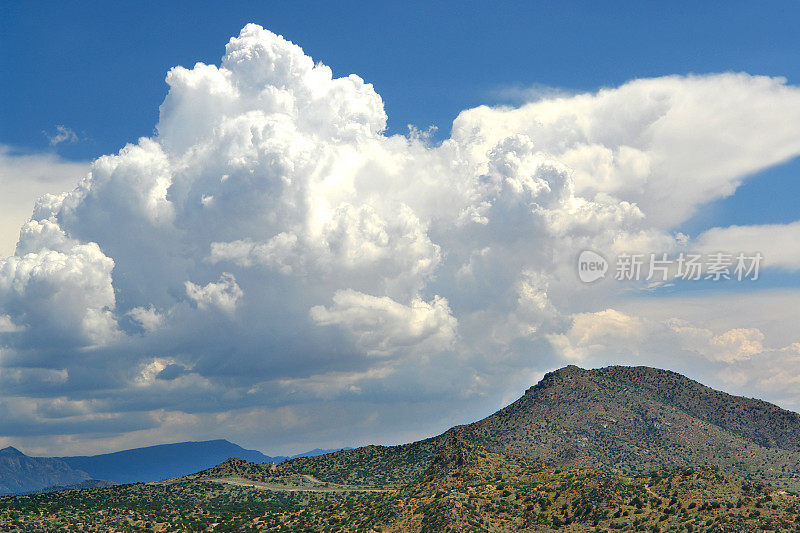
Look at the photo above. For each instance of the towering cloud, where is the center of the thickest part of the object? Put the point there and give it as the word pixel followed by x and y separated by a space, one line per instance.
pixel 270 248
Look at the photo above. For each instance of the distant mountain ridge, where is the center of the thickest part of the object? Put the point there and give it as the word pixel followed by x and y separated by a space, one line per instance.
pixel 21 473
pixel 152 463
pixel 316 452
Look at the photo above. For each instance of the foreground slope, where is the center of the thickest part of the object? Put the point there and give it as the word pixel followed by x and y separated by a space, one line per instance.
pixel 465 488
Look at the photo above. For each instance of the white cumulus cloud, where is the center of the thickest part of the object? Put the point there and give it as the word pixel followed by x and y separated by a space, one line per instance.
pixel 382 325
pixel 223 294
pixel 271 245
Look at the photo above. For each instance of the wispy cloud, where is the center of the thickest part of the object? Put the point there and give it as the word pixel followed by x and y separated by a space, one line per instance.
pixel 62 135
pixel 523 94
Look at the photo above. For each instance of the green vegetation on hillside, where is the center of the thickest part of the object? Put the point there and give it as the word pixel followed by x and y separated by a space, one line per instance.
pixel 465 488
pixel 640 419
pixel 370 466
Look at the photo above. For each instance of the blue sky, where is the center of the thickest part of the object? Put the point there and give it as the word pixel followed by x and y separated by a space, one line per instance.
pixel 265 263
pixel 98 67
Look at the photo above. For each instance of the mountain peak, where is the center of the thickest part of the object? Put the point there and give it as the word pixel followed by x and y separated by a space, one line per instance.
pixel 643 418
pixel 21 473
pixel 567 373
pixel 10 450
pixel 569 370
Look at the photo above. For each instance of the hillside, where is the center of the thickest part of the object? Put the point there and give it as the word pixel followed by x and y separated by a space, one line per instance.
pixel 83 485
pixel 369 467
pixel 378 466
pixel 21 473
pixel 636 419
pixel 465 488
pixel 640 419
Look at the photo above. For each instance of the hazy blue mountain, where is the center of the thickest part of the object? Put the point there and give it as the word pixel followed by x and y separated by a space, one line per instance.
pixel 163 461
pixel 21 473
pixel 314 453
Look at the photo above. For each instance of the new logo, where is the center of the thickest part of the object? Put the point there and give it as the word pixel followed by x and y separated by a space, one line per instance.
pixel 591 266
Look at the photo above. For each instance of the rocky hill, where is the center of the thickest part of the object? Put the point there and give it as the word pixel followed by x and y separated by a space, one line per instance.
pixel 634 419
pixel 641 419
